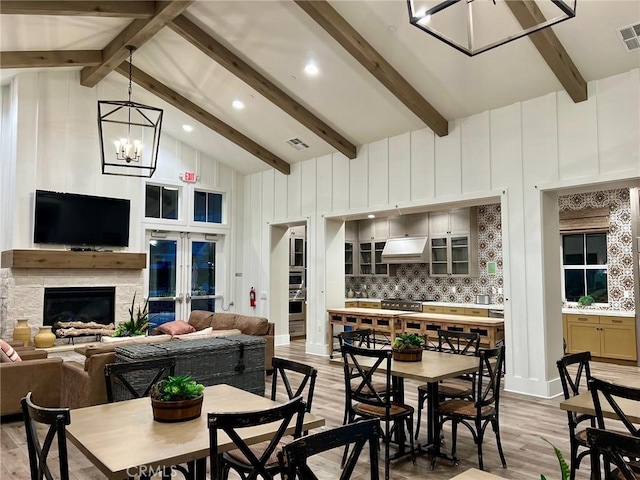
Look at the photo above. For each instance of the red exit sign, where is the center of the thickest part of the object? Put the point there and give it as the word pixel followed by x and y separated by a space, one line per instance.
pixel 189 177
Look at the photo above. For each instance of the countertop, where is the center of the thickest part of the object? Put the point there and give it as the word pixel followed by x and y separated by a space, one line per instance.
pixel 609 313
pixel 492 306
pixel 377 312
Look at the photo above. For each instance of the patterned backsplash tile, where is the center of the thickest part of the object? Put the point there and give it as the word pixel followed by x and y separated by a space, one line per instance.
pixel 412 281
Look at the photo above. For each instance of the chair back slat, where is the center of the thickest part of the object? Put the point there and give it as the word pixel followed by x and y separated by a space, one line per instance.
pixel 359 338
pixel 612 392
pixel 230 423
pixel 296 377
pixel 571 383
pixel 489 376
pixel 57 419
pixel 294 456
pixel 363 389
pixel 125 381
pixel 618 448
pixel 461 343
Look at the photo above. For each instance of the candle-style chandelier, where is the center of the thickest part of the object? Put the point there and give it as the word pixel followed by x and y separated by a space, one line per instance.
pixel 129 134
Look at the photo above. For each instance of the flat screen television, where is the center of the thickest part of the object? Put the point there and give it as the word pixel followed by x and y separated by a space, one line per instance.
pixel 84 220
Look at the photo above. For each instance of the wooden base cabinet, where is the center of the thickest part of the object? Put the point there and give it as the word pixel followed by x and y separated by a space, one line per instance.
pixel 604 336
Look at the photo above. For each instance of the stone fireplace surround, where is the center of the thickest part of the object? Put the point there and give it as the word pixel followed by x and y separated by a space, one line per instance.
pixel 22 288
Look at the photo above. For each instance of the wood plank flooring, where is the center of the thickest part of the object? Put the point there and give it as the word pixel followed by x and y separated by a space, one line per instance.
pixel 523 420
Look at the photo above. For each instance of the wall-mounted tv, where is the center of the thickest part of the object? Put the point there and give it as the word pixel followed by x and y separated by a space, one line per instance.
pixel 72 219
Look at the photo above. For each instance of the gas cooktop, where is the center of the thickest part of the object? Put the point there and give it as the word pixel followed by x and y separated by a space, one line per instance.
pixel 401 304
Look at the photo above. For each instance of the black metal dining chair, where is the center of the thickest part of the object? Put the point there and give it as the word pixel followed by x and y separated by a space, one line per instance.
pixel 365 400
pixel 294 457
pixel 573 383
pixel 619 449
pixel 57 420
pixel 458 343
pixel 252 461
pixel 483 410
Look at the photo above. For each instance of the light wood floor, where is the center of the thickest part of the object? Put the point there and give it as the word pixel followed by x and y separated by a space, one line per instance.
pixel 523 420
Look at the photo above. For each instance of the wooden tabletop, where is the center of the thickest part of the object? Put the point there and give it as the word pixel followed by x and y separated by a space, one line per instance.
pixel 435 366
pixel 447 317
pixel 475 474
pixel 123 435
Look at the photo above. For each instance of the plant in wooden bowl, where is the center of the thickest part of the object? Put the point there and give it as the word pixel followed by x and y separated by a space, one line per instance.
pixel 176 399
pixel 407 347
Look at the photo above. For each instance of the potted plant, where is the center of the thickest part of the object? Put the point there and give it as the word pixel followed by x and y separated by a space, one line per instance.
pixel 586 300
pixel 137 323
pixel 407 347
pixel 176 399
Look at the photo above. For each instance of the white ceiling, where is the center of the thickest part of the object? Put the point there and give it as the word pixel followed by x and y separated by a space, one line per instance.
pixel 278 38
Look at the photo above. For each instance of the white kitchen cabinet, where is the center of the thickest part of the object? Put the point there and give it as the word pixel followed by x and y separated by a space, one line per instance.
pixel 453 243
pixel 297 246
pixel 413 225
pixel 373 229
pixel 350 231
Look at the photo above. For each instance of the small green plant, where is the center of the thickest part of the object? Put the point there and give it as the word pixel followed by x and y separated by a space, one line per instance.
pixel 564 468
pixel 408 341
pixel 137 323
pixel 178 387
pixel 586 300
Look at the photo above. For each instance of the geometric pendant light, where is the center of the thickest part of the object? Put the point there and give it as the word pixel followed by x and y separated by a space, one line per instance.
pixel 129 135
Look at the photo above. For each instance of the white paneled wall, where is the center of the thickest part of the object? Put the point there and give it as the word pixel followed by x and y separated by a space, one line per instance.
pixel 516 153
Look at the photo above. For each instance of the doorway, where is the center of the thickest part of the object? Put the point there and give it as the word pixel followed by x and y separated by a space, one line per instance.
pixel 182 275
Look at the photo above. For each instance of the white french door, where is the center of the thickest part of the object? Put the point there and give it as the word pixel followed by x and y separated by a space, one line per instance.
pixel 182 274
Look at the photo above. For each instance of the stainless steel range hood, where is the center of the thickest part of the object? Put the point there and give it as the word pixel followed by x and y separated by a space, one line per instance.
pixel 406 250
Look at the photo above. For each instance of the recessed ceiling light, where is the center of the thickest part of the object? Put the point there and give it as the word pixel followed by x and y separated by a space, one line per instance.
pixel 311 69
pixel 371 216
pixel 187 128
pixel 238 104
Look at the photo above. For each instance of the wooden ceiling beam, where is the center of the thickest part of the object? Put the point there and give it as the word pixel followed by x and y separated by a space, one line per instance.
pixel 194 111
pixel 354 43
pixel 129 9
pixel 245 72
pixel 553 53
pixel 137 33
pixel 53 58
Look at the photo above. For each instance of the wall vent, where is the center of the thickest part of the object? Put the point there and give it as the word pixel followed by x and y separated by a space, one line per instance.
pixel 630 36
pixel 297 144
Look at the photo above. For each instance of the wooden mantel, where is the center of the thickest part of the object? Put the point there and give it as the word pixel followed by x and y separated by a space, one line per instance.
pixel 66 259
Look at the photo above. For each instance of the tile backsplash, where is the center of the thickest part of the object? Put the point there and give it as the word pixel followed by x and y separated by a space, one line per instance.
pixel 413 280
pixel 619 243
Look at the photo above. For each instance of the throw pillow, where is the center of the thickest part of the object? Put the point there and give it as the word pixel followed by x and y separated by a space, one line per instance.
pixel 197 334
pixel 8 354
pixel 177 327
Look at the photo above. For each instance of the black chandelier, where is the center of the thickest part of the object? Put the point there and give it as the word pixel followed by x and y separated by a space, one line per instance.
pixel 129 135
pixel 476 26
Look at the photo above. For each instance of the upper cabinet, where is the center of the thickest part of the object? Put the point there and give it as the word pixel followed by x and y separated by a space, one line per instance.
pixel 372 235
pixel 373 229
pixel 297 254
pixel 453 241
pixel 414 225
pixel 350 239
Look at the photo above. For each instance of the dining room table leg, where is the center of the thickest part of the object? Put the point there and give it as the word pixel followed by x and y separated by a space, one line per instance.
pixel 433 425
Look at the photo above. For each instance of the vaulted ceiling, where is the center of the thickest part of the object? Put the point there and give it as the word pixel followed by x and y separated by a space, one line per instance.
pixel 378 75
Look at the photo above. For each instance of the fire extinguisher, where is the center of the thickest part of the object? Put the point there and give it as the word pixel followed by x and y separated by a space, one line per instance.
pixel 252 298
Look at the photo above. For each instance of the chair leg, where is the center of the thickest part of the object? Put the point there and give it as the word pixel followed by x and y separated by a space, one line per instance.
pixel 496 428
pixel 574 458
pixel 479 441
pixel 409 422
pixel 454 437
pixel 421 399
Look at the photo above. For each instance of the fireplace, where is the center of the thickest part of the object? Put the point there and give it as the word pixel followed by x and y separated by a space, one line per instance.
pixel 79 304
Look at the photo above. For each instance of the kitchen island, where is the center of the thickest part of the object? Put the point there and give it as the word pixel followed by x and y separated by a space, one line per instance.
pixel 385 324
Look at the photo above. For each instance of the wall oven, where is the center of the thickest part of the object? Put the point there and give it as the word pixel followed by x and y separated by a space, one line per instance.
pixel 296 279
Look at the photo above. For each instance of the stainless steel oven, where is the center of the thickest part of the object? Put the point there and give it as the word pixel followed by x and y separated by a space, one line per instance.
pixel 296 279
pixel 296 309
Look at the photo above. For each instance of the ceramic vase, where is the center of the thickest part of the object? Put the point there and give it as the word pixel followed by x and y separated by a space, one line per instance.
pixel 45 338
pixel 22 332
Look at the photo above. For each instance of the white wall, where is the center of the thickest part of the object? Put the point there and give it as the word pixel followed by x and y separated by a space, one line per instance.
pixel 515 152
pixel 49 136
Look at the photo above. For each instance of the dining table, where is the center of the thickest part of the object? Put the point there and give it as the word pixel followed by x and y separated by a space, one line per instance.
pixel 431 369
pixel 123 440
pixel 583 402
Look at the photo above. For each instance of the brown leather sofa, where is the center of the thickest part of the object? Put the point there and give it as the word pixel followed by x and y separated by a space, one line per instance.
pixel 249 325
pixel 83 384
pixel 36 373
